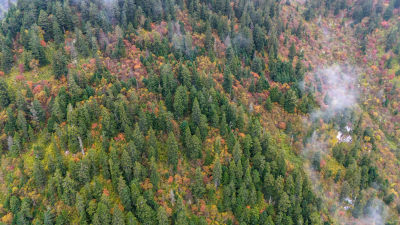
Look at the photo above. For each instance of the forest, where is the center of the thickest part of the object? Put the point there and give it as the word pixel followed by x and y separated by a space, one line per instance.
pixel 200 112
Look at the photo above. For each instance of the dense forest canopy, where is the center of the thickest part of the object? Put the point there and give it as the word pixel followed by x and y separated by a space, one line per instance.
pixel 200 112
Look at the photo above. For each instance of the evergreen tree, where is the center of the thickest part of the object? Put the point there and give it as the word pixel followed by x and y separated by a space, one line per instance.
pixel 69 192
pixel 45 24
pixel 7 59
pixel 292 51
pixel 290 101
pixel 58 35
pixel 36 46
pixel 217 172
pixel 126 164
pixel 4 95
pixel 145 213
pixel 259 38
pixel 209 39
pixel 80 206
pixel 388 12
pixel 262 84
pixel 131 219
pixel 48 217
pixel 173 149
pixel 81 43
pixel 195 149
pixel 119 50
pixel 102 214
pixel 124 194
pixel 268 104
pixel 162 217
pixel 180 101
pixel 118 216
pixel 228 80
pixel 154 176
pixel 39 174
pixel 59 64
pixel 197 185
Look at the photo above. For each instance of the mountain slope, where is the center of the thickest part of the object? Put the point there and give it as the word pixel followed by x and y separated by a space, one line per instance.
pixel 199 112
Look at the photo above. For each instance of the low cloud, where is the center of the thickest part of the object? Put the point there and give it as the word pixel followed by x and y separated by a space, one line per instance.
pixel 338 92
pixel 338 87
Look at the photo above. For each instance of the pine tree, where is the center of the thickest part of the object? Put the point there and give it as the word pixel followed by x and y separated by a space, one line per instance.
pixel 124 194
pixel 209 39
pixel 292 52
pixel 145 213
pixel 197 185
pixel 126 164
pixel 131 219
pixel 228 80
pixel 217 172
pixel 118 216
pixel 103 214
pixel 84 173
pixel 195 149
pixel 58 35
pixel 259 38
pixel 37 111
pixel 154 176
pixel 180 101
pixel 81 43
pixel 184 76
pixel 48 217
pixel 262 84
pixel 173 149
pixel 162 216
pixel 22 125
pixel 45 24
pixel 4 95
pixel 196 112
pixel 119 50
pixel 36 47
pixel 237 152
pixel 388 12
pixel 290 101
pixel 39 174
pixel 7 55
pixel 69 192
pixel 268 104
pixel 80 206
pixel 59 64
pixel 275 94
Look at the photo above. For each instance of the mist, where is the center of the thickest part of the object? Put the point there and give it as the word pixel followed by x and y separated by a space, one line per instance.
pixel 338 85
pixel 338 93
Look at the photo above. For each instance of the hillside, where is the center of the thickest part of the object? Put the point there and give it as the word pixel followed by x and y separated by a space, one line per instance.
pixel 200 112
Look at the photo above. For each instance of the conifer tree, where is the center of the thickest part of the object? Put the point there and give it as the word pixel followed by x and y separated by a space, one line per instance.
pixel 59 64
pixel 45 24
pixel 162 217
pixel 58 35
pixel 124 194
pixel 36 46
pixel 118 216
pixel 228 80
pixel 172 146
pixel 180 101
pixel 217 172
pixel 7 55
pixel 4 95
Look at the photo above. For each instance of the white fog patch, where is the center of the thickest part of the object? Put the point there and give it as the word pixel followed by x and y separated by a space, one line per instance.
pixel 339 90
pixel 339 95
pixel 376 213
pixel 341 137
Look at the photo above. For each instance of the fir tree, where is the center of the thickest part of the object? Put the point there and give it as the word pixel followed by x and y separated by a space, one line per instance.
pixel 172 146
